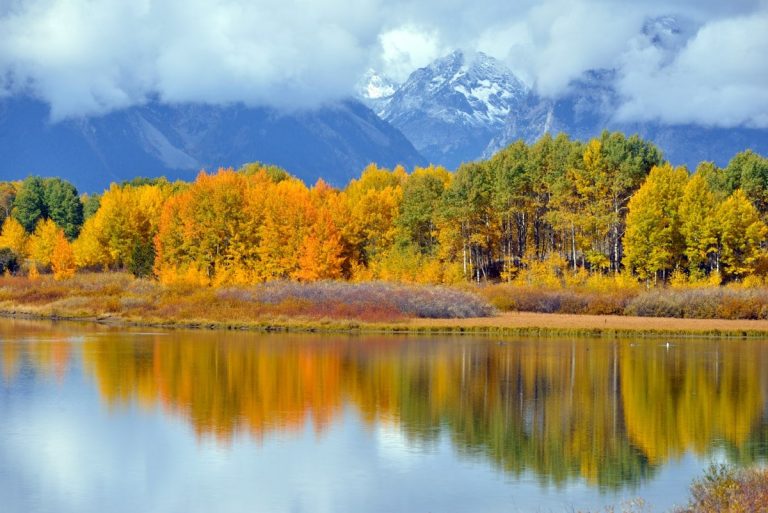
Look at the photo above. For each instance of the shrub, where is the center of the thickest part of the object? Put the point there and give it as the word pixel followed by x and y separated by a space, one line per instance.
pixel 9 262
pixel 701 303
pixel 578 300
pixel 724 489
pixel 414 301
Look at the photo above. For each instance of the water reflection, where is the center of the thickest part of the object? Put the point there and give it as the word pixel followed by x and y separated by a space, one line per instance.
pixel 610 412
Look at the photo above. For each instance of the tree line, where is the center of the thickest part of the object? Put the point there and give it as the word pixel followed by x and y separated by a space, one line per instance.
pixel 611 205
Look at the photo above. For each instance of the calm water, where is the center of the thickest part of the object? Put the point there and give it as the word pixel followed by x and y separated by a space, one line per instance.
pixel 97 420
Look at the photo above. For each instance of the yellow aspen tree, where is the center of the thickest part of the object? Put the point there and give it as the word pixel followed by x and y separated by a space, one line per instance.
pixel 652 243
pixel 14 237
pixel 62 258
pixel 322 251
pixel 698 222
pixel 741 235
pixel 88 248
pixel 286 222
pixel 373 202
pixel 197 227
pixel 43 241
pixel 127 215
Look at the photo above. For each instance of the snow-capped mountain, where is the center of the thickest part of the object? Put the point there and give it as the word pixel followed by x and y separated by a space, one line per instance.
pixel 582 112
pixel 375 90
pixel 451 109
pixel 589 107
pixel 465 106
pixel 591 102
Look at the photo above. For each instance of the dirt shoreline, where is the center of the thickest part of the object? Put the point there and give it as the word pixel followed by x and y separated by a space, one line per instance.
pixel 509 323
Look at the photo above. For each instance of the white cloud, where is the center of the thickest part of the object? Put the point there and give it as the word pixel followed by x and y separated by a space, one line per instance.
pixel 719 78
pixel 90 56
pixel 407 48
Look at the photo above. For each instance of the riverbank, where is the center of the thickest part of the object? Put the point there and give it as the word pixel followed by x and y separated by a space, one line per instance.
pixel 119 299
pixel 510 323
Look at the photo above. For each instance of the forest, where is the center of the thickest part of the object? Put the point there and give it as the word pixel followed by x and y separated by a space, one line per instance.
pixel 556 212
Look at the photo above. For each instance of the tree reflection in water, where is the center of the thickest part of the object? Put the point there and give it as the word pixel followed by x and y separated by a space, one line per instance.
pixel 611 412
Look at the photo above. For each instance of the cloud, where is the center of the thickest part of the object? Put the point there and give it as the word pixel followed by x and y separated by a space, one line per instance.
pixel 678 62
pixel 91 56
pixel 407 48
pixel 720 77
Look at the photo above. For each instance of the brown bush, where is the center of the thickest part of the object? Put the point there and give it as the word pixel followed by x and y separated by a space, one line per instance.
pixel 701 303
pixel 578 300
pixel 724 489
pixel 344 298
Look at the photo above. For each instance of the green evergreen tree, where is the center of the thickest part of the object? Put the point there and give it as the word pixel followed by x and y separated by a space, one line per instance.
pixel 9 261
pixel 29 205
pixel 748 171
pixel 91 204
pixel 142 258
pixel 63 206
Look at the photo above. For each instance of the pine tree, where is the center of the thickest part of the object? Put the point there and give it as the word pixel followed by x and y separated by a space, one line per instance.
pixel 142 258
pixel 63 205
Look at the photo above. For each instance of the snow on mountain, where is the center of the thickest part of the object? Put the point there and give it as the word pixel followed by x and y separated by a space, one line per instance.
pixel 375 90
pixel 582 112
pixel 452 108
pixel 668 33
pixel 374 86
pixel 467 106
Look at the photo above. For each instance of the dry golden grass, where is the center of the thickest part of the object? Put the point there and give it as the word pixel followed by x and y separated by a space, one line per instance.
pixel 597 322
pixel 118 298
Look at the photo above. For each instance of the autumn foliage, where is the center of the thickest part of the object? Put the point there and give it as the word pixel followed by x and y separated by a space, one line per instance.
pixel 551 214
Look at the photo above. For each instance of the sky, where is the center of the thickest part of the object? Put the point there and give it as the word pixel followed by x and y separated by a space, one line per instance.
pixel 88 57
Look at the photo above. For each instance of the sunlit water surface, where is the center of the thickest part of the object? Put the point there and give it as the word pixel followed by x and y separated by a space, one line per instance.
pixel 97 419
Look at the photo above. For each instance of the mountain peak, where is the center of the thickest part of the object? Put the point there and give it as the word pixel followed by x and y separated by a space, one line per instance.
pixel 470 91
pixel 471 87
pixel 374 86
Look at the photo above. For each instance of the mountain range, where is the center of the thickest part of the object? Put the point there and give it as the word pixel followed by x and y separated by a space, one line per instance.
pixel 467 106
pixel 334 142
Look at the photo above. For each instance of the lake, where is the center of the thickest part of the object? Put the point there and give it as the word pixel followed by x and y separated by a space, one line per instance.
pixel 96 419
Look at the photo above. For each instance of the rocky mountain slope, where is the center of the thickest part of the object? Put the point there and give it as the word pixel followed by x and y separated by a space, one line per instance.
pixel 334 143
pixel 452 108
